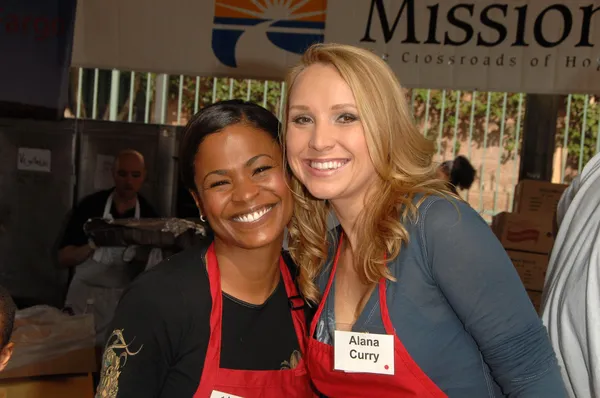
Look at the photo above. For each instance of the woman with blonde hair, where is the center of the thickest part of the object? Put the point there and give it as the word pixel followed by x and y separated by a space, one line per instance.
pixel 417 297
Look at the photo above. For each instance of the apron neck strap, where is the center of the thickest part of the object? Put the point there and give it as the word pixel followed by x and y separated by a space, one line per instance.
pixel 296 301
pixel 315 321
pixel 108 206
pixel 381 285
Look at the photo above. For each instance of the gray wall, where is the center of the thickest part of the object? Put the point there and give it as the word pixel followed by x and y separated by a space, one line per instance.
pixel 34 204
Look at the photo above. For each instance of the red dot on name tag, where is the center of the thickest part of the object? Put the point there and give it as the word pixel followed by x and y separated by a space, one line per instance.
pixel 386 367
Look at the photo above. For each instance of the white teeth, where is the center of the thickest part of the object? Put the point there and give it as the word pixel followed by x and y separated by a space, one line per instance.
pixel 251 217
pixel 327 165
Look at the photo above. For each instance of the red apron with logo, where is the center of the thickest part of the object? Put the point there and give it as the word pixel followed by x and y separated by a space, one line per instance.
pixel 408 379
pixel 225 383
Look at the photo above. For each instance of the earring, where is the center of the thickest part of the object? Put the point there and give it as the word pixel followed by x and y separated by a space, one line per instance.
pixel 202 218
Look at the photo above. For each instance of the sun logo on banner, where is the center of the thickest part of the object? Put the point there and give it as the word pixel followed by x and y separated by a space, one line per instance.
pixel 291 25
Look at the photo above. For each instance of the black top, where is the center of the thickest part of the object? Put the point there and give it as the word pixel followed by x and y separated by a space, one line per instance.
pixel 161 330
pixel 92 206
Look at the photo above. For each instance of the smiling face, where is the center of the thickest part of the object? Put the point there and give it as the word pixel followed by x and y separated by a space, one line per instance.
pixel 242 190
pixel 325 139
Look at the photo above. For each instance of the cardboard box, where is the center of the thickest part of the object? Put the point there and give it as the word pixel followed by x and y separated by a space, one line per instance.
pixel 48 387
pixel 539 197
pixel 80 361
pixel 531 268
pixel 536 299
pixel 66 376
pixel 527 232
pixel 43 364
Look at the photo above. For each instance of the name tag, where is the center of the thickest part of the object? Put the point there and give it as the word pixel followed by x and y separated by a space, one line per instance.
pixel 219 394
pixel 364 352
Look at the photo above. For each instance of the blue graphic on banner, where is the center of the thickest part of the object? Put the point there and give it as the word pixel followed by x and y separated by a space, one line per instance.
pixel 294 26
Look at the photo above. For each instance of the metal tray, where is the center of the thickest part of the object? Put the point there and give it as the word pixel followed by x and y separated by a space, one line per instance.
pixel 163 233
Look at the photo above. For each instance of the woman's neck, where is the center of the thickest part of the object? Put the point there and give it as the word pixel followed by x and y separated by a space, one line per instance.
pixel 347 214
pixel 249 275
pixel 348 211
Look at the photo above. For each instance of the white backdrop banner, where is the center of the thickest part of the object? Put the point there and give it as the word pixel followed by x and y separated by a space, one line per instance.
pixel 536 46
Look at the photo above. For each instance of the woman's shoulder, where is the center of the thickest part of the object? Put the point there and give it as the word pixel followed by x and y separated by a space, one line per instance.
pixel 435 217
pixel 444 224
pixel 180 280
pixel 438 211
pixel 185 263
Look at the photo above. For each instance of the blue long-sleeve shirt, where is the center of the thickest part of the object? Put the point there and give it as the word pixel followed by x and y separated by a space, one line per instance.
pixel 460 309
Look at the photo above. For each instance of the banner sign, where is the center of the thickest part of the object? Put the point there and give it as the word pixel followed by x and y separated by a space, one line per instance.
pixel 517 46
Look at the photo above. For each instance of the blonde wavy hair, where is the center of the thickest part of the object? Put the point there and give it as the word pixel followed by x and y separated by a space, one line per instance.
pixel 401 156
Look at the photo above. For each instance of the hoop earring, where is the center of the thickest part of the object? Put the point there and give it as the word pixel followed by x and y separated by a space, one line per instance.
pixel 202 218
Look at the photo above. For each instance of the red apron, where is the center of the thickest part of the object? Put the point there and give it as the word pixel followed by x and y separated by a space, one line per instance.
pixel 408 379
pixel 224 383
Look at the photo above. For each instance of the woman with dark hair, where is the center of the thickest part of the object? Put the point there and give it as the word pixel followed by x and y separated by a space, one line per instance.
pixel 223 319
pixel 459 173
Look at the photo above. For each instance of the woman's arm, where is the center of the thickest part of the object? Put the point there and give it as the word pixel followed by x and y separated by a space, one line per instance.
pixel 156 346
pixel 137 351
pixel 479 281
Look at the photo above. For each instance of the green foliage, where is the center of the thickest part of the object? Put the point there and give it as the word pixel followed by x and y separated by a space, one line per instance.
pixel 500 114
pixel 431 115
pixel 578 129
pixel 501 121
pixel 580 138
pixel 483 119
pixel 265 93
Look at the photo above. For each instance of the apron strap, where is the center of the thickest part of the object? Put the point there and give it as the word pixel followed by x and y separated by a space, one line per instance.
pixel 385 313
pixel 137 209
pixel 317 315
pixel 108 206
pixel 298 317
pixel 296 303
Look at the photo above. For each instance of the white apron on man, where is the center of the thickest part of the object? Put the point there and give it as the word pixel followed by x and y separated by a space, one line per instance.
pixel 100 280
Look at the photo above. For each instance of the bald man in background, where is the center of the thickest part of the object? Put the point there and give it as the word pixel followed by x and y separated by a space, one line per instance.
pixel 100 273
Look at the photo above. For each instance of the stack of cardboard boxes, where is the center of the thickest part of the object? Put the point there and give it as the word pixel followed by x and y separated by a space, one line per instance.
pixel 527 234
